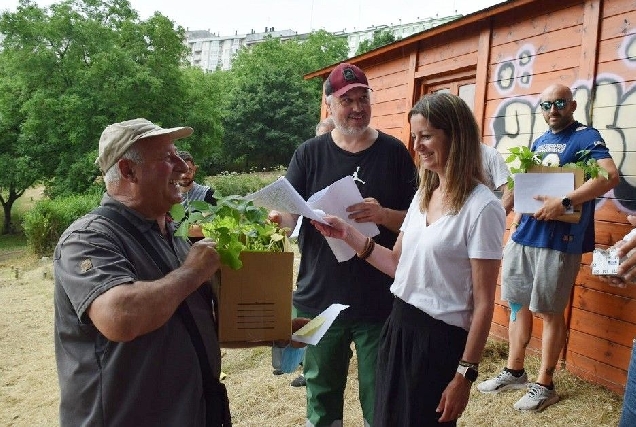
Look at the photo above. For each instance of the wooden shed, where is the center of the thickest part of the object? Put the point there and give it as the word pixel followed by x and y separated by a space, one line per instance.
pixel 499 60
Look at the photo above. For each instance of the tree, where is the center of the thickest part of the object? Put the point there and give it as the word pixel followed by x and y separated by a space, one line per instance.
pixel 272 108
pixel 207 93
pixel 380 38
pixel 70 70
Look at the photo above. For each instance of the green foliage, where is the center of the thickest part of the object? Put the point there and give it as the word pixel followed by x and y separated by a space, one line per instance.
pixel 226 184
pixel 45 223
pixel 380 38
pixel 69 70
pixel 12 241
pixel 235 224
pixel 207 94
pixel 589 165
pixel 272 109
pixel 523 159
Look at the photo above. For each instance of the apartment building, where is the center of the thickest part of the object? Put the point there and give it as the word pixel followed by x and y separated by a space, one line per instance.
pixel 213 52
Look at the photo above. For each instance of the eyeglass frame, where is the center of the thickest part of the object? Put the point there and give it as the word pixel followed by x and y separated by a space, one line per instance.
pixel 347 102
pixel 559 103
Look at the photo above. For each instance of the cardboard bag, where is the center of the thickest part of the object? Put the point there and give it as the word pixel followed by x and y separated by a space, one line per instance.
pixel 255 301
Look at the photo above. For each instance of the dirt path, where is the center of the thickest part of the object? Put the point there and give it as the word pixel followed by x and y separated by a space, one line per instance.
pixel 28 381
pixel 29 391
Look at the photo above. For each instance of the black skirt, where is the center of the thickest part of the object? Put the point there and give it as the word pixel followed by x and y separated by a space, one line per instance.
pixel 417 358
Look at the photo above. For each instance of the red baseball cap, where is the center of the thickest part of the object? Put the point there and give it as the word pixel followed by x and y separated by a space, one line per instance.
pixel 344 78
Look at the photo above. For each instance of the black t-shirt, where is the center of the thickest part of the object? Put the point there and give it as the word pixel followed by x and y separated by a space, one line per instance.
pixel 384 171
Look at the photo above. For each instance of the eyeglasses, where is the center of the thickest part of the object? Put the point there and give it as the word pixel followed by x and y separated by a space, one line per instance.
pixel 558 103
pixel 348 102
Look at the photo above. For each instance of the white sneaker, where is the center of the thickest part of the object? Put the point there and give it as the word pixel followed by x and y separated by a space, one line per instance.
pixel 537 398
pixel 502 382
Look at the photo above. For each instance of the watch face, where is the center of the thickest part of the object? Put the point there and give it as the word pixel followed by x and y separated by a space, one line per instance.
pixel 471 374
pixel 566 202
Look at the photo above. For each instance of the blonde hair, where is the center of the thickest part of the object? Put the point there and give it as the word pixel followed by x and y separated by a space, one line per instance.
pixel 463 168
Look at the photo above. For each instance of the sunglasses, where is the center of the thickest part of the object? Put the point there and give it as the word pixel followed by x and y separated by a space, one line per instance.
pixel 558 103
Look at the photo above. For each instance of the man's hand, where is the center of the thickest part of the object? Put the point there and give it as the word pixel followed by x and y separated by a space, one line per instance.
pixel 369 210
pixel 627 269
pixel 203 259
pixel 552 208
pixel 297 323
pixel 283 219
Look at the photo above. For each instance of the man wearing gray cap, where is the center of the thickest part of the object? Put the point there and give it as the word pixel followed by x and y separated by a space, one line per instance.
pixel 135 338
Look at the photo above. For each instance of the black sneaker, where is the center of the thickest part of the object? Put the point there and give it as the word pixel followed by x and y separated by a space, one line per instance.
pixel 299 381
pixel 277 372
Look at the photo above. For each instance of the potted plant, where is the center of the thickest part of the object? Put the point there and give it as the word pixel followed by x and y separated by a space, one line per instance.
pixel 256 275
pixel 523 160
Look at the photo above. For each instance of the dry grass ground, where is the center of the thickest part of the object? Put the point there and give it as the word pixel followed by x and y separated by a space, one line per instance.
pixel 29 393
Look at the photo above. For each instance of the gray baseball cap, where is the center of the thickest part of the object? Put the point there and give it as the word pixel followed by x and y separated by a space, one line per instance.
pixel 118 137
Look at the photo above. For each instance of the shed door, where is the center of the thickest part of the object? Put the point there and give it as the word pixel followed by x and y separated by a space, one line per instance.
pixel 461 84
pixel 464 88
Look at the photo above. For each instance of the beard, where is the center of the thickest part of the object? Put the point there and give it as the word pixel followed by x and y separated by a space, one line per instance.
pixel 346 129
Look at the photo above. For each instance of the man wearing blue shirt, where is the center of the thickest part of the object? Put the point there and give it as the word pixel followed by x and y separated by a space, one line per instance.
pixel 543 256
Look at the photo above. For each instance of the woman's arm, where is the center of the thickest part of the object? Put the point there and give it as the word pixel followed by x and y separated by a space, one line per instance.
pixel 484 277
pixel 384 259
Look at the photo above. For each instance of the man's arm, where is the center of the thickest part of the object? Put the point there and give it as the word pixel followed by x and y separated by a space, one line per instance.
pixel 507 198
pixel 591 189
pixel 127 311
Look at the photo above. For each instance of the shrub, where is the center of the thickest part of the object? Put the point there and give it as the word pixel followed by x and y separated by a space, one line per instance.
pixel 232 183
pixel 46 222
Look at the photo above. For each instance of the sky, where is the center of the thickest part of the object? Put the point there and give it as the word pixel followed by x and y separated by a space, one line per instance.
pixel 231 17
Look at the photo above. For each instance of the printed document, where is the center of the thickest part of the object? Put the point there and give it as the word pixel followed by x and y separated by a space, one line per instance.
pixel 332 200
pixel 528 185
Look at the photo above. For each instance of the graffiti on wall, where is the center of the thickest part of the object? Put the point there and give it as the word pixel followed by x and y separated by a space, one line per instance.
pixel 611 109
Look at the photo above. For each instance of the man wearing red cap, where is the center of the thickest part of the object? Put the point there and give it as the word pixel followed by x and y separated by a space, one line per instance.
pixel 386 177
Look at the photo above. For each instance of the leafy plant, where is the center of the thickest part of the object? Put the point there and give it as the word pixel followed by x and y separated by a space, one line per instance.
pixel 524 159
pixel 235 224
pixel 590 166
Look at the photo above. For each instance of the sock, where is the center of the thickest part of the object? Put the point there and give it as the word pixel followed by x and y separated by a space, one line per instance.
pixel 516 372
pixel 549 386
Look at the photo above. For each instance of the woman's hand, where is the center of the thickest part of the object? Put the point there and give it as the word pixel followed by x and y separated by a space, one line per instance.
pixel 334 227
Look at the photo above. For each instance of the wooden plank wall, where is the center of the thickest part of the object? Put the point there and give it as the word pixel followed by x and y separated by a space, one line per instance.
pixel 555 46
pixel 603 318
pixel 589 45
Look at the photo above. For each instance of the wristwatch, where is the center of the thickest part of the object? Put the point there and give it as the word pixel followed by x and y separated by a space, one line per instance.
pixel 566 202
pixel 467 372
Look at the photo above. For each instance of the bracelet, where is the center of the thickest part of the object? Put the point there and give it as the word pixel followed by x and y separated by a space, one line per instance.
pixel 468 364
pixel 368 249
pixel 514 224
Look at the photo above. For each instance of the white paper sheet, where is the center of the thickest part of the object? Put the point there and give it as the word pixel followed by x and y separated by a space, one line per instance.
pixel 327 317
pixel 528 185
pixel 333 200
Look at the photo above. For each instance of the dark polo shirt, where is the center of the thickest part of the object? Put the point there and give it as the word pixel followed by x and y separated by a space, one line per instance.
pixel 153 380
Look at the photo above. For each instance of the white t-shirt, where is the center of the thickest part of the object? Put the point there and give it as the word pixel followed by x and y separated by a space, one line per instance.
pixel 434 271
pixel 495 168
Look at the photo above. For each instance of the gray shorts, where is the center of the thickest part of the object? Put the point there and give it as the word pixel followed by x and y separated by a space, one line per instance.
pixel 538 278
